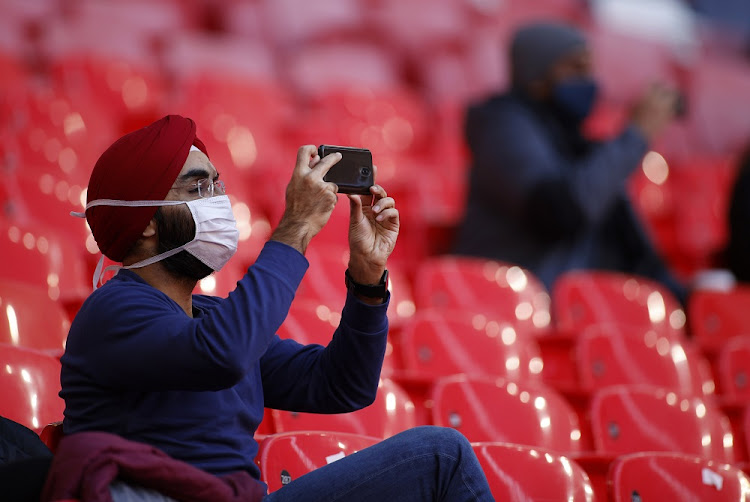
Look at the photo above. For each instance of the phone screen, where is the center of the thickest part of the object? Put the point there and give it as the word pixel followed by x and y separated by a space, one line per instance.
pixel 353 173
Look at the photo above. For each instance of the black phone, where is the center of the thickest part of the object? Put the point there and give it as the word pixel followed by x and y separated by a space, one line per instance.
pixel 353 173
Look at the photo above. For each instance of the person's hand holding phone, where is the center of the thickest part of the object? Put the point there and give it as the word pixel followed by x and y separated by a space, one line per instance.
pixel 374 224
pixel 309 199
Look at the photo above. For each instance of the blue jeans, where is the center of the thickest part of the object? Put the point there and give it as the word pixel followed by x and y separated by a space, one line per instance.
pixel 420 464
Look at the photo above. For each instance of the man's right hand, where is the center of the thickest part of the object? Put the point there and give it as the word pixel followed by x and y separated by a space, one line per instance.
pixel 655 110
pixel 309 199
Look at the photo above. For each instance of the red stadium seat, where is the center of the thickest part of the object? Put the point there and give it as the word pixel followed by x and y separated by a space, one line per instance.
pixel 51 435
pixel 29 386
pixel 22 324
pixel 354 65
pixel 45 259
pixel 324 281
pixel 500 410
pixel 286 456
pixel 617 355
pixel 719 125
pixel 675 476
pixel 514 473
pixel 499 291
pixel 583 298
pixel 391 413
pixel 437 343
pixel 310 321
pixel 733 369
pixel 628 419
pixel 714 317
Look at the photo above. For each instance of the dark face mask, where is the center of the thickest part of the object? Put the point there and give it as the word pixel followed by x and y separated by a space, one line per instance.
pixel 575 97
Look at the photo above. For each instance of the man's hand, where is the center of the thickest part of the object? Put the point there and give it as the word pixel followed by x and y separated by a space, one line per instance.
pixel 655 110
pixel 309 199
pixel 373 230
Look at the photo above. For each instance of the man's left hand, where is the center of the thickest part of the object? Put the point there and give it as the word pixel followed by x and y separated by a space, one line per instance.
pixel 373 230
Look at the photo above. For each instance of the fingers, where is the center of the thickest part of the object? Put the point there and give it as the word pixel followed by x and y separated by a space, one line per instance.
pixel 378 192
pixel 384 208
pixel 326 163
pixel 304 156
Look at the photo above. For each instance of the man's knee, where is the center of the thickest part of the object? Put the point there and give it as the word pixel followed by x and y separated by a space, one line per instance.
pixel 441 439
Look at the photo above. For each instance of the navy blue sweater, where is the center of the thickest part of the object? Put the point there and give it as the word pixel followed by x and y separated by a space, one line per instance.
pixel 136 365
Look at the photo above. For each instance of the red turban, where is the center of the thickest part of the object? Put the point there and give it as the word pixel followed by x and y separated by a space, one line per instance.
pixel 142 165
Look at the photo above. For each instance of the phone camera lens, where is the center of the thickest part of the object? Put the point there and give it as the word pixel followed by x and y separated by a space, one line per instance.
pixel 365 171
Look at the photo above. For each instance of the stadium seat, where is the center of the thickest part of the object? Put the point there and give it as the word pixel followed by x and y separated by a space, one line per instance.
pixel 29 386
pixel 42 257
pixel 628 419
pixel 336 66
pixel 619 82
pixel 733 369
pixel 324 281
pixel 436 343
pixel 286 456
pixel 31 319
pixel 675 476
pixel 611 355
pixel 514 473
pixel 582 298
pixel 51 435
pixel 391 413
pixel 714 317
pixel 501 410
pixel 499 291
pixel 719 125
pixel 310 321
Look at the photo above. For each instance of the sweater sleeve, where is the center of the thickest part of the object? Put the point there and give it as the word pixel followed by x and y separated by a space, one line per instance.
pixel 338 378
pixel 129 335
pixel 523 173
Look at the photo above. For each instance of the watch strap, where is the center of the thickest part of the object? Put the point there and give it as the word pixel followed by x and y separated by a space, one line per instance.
pixel 379 290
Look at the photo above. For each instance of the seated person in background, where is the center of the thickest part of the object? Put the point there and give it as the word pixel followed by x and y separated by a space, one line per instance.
pixel 541 195
pixel 737 253
pixel 189 374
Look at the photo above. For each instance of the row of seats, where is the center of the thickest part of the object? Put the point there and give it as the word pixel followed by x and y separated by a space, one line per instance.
pixel 514 471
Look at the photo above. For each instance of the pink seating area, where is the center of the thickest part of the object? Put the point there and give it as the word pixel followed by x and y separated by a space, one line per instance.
pixel 601 372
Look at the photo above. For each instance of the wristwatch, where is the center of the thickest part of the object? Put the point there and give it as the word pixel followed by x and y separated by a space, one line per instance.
pixel 379 290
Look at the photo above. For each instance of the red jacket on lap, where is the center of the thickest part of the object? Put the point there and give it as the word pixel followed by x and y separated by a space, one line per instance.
pixel 86 463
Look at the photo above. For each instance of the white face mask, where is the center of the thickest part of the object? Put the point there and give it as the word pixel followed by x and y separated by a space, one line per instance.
pixel 216 234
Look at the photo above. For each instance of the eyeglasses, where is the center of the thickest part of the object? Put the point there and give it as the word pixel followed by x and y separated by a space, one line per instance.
pixel 205 188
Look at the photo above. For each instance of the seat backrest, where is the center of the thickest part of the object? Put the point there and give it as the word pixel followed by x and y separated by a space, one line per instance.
pixel 22 324
pixel 435 343
pixel 42 257
pixel 29 387
pixel 284 457
pixel 391 413
pixel 51 435
pixel 514 473
pixel 324 281
pixel 733 369
pixel 675 476
pixel 313 321
pixel 500 291
pixel 584 298
pixel 609 357
pixel 628 419
pixel 716 316
pixel 484 409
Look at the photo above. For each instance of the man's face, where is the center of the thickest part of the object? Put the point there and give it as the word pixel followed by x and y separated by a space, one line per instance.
pixel 576 65
pixel 175 223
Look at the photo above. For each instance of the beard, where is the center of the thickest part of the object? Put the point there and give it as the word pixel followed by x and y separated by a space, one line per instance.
pixel 176 229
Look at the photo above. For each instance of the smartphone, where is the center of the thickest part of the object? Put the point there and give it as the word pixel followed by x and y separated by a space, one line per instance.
pixel 353 173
